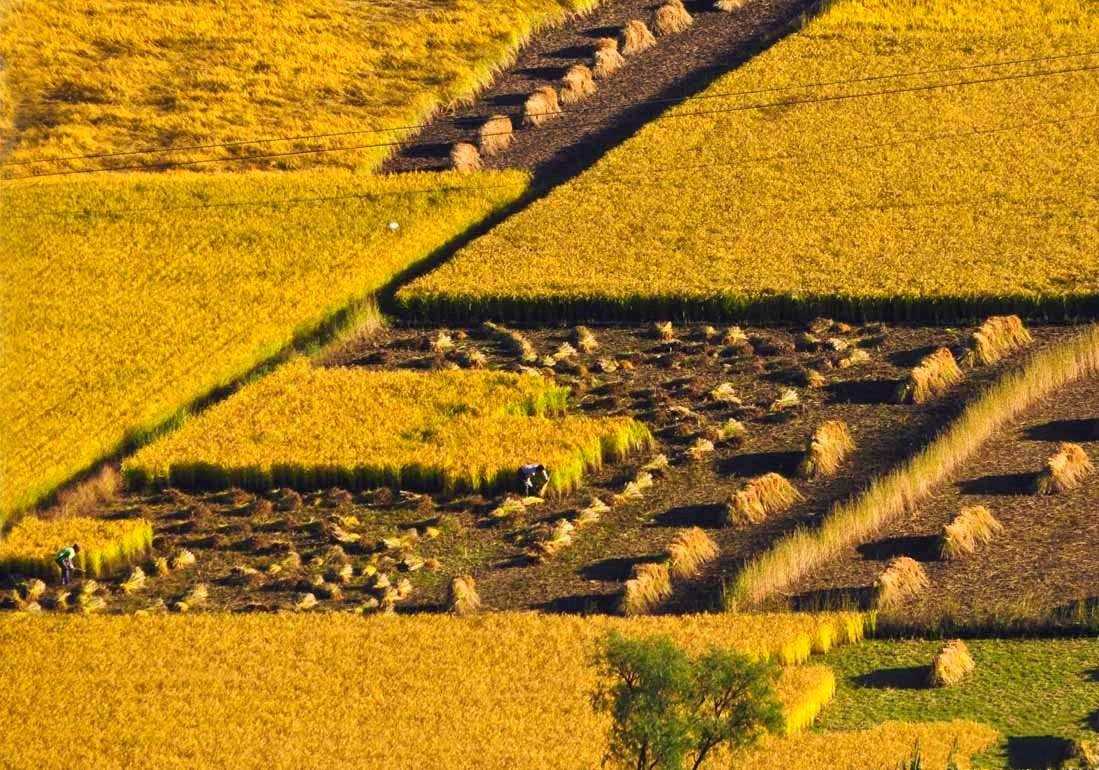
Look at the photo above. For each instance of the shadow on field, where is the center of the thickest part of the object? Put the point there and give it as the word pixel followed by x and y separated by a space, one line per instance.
pixel 999 484
pixel 1036 752
pixel 918 547
pixel 759 463
pixel 862 391
pixel 706 515
pixel 904 678
pixel 581 604
pixel 1064 430
pixel 616 570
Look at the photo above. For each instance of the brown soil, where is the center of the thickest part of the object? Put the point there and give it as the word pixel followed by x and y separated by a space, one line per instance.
pixel 650 82
pixel 1044 563
pixel 233 530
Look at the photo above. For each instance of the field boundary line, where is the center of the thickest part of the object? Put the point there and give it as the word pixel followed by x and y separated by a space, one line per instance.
pixel 851 522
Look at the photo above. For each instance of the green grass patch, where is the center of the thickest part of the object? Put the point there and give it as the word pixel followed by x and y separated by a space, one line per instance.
pixel 1038 693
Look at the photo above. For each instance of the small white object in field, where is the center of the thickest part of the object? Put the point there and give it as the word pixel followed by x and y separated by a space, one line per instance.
pixel 394 226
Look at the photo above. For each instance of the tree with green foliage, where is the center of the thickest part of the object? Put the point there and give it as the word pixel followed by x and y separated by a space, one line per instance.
pixel 668 708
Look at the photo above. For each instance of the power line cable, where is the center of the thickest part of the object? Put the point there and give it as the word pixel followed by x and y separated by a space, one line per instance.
pixel 646 174
pixel 581 109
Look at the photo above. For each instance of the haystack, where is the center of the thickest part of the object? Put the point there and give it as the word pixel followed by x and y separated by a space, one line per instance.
pixel 729 5
pixel 759 498
pixel 670 18
pixel 649 584
pixel 972 527
pixel 1064 470
pixel 952 664
pixel 701 448
pixel 932 377
pixel 464 157
pixel 584 339
pixel 635 38
pixel 541 106
pixel 462 598
pixel 577 84
pixel 1083 754
pixel 827 448
pixel 183 559
pixel 732 432
pixel 495 135
pixel 725 393
pixel 788 400
pixel 607 60
pixel 664 331
pixel 688 551
pixel 135 582
pixel 903 577
pixel 996 338
pixel 517 342
pixel 657 466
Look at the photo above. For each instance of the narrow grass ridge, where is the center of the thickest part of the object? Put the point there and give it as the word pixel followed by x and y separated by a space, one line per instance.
pixel 857 519
pixel 648 586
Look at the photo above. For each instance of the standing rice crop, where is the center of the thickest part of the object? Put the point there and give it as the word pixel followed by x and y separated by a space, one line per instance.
pixel 1064 470
pixel 972 527
pixel 106 546
pixel 828 446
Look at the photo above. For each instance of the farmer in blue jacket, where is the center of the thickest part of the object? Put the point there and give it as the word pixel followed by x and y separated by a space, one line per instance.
pixel 528 473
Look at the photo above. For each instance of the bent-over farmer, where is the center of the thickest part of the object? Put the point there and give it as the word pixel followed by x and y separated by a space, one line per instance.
pixel 64 560
pixel 528 473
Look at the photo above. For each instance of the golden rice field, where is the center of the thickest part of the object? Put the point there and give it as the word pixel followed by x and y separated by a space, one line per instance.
pixel 310 428
pixel 105 545
pixel 498 691
pixel 887 746
pixel 958 191
pixel 112 76
pixel 126 298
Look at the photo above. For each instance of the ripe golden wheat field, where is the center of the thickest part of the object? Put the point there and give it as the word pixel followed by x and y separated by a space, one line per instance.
pixel 448 431
pixel 937 179
pixel 125 298
pixel 500 691
pixel 112 76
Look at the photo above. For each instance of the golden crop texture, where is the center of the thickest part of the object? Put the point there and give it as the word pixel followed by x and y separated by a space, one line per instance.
pixel 888 745
pixel 113 76
pixel 912 181
pixel 125 298
pixel 447 431
pixel 105 545
pixel 273 691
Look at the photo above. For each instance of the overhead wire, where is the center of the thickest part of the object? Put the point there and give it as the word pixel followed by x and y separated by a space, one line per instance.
pixel 561 124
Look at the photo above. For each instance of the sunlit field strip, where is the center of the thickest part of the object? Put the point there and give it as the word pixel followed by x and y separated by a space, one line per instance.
pixel 501 691
pixel 165 288
pixel 930 197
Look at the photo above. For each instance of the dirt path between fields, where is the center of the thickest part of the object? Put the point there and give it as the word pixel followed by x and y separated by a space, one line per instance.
pixel 678 65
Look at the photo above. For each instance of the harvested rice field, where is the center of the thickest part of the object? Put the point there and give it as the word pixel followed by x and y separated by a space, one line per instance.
pixel 1039 565
pixel 717 402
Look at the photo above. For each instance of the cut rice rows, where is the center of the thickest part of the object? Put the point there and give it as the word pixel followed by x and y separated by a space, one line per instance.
pixel 755 431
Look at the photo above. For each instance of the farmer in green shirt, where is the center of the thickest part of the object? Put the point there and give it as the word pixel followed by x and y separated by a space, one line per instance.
pixel 64 560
